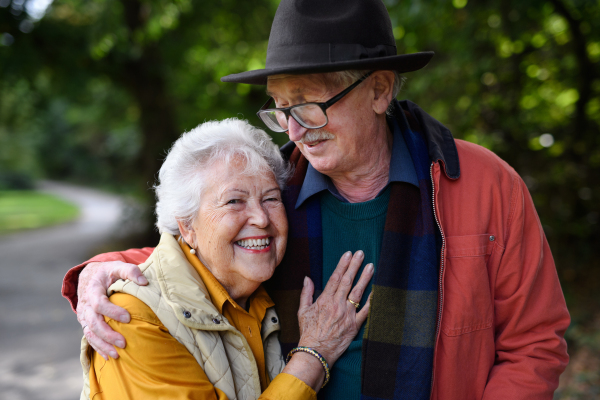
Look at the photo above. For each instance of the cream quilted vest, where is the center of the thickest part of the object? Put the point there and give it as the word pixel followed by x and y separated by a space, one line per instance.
pixel 179 298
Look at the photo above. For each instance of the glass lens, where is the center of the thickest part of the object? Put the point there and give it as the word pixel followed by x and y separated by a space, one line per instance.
pixel 275 120
pixel 309 115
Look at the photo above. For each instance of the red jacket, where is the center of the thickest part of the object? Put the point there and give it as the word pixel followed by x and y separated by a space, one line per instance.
pixel 502 312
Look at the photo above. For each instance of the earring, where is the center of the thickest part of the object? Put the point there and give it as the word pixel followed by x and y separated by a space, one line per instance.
pixel 192 251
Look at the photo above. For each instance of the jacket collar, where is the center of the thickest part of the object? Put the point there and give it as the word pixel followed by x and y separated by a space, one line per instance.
pixel 438 138
pixel 182 287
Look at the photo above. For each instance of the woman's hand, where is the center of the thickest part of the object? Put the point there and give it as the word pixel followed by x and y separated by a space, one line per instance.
pixel 330 323
pixel 93 303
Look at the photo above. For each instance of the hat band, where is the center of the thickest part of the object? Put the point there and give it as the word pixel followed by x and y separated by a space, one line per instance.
pixel 323 53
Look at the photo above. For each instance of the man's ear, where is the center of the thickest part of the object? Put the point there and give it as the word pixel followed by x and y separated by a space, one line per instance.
pixel 187 232
pixel 383 87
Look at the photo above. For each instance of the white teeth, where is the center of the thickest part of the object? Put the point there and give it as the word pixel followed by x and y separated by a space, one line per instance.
pixel 254 244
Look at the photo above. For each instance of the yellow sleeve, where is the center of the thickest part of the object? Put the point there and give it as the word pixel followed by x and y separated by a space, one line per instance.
pixel 153 365
pixel 288 387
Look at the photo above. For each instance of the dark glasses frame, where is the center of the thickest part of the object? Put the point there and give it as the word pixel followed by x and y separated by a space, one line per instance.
pixel 323 106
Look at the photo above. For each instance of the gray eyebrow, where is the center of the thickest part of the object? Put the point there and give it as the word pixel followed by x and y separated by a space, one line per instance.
pixel 239 190
pixel 272 189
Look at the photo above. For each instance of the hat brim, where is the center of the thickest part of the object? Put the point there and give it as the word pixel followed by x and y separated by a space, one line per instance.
pixel 401 63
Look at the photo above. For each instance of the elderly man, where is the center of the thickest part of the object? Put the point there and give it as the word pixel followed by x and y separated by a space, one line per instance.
pixel 466 300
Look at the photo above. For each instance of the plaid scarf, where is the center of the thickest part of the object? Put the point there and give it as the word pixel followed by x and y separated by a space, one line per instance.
pixel 397 351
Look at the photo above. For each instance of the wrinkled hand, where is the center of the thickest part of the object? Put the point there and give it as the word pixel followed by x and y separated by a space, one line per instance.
pixel 93 303
pixel 330 323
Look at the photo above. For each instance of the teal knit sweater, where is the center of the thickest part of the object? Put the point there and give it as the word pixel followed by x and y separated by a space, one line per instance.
pixel 350 226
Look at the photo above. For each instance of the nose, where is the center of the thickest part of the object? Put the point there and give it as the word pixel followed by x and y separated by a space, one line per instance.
pixel 295 130
pixel 258 216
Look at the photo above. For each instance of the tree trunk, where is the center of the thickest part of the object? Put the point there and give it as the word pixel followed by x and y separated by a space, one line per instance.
pixel 144 78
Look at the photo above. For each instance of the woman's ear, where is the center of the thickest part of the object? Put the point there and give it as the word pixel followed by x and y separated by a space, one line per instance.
pixel 187 232
pixel 383 88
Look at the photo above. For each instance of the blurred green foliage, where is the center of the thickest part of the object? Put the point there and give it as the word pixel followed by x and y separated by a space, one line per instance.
pixel 29 210
pixel 95 91
pixel 523 79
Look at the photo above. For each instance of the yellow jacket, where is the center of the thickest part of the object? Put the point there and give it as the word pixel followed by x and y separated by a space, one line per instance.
pixel 180 301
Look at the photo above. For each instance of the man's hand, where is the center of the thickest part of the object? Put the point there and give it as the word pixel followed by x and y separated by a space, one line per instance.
pixel 93 303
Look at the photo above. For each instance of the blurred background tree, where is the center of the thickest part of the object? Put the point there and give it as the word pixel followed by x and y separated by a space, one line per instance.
pixel 96 91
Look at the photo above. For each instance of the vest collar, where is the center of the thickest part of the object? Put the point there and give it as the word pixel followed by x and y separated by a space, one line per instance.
pixel 183 288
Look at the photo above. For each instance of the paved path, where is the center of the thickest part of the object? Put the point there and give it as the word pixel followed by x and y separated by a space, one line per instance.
pixel 39 334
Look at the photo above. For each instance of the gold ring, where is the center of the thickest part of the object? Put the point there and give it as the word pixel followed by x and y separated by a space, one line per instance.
pixel 354 303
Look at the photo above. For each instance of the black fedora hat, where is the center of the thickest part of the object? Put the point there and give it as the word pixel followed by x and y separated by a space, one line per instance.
pixel 310 36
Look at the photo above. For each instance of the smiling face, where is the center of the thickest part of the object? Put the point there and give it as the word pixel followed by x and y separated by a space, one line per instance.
pixel 240 231
pixel 346 141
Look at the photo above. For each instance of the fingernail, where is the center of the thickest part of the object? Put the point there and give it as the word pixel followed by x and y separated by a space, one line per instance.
pixel 360 253
pixel 305 281
pixel 104 356
pixel 142 280
pixel 124 318
pixel 348 254
pixel 369 268
pixel 120 343
pixel 113 354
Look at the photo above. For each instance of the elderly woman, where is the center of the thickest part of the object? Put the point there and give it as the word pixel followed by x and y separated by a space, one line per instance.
pixel 204 327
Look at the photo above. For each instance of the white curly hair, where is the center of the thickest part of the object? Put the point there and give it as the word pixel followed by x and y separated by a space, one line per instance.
pixel 181 180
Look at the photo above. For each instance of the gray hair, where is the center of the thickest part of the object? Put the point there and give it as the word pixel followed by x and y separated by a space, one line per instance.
pixel 347 78
pixel 183 174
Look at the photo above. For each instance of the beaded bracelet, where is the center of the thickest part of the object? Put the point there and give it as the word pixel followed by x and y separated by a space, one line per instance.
pixel 314 353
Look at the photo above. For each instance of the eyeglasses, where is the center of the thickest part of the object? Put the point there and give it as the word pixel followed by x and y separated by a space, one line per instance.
pixel 308 115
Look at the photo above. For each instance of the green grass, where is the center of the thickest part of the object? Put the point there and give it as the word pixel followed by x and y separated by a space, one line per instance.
pixel 21 210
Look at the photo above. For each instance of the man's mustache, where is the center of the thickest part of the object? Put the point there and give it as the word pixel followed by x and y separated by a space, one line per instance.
pixel 316 135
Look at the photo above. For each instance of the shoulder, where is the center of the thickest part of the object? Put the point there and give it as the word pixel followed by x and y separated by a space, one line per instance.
pixel 135 307
pixel 481 165
pixel 474 155
pixel 484 198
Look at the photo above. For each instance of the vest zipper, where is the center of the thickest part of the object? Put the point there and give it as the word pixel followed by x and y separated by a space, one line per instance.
pixel 440 293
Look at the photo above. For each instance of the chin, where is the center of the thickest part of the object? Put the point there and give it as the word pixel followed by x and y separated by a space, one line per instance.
pixel 323 165
pixel 263 274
